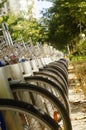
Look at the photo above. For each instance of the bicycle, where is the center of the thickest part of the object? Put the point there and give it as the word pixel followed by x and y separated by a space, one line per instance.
pixel 33 114
pixel 44 100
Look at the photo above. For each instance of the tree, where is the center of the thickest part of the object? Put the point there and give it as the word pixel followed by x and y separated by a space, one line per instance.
pixel 2 3
pixel 24 24
pixel 66 20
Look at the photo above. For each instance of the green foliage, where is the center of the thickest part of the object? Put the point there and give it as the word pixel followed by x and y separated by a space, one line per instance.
pixel 26 26
pixel 66 20
pixel 60 25
pixel 77 58
pixel 79 52
pixel 2 3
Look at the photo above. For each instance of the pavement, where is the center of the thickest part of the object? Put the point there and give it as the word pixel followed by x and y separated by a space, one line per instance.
pixel 77 102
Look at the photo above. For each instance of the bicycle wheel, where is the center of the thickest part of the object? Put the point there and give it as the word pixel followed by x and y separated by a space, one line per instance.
pixel 61 75
pixel 50 74
pixel 51 87
pixel 64 62
pixel 60 69
pixel 39 119
pixel 59 63
pixel 43 99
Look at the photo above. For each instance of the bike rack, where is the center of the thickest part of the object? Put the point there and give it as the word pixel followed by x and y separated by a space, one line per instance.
pixel 5 92
pixel 26 68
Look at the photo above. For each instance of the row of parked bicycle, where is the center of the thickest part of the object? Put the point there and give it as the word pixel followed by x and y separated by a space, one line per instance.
pixel 37 93
pixel 33 86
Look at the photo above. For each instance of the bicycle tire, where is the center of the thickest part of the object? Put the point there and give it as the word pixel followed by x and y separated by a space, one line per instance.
pixel 58 68
pixel 53 70
pixel 26 108
pixel 64 62
pixel 48 95
pixel 56 76
pixel 47 74
pixel 31 87
pixel 59 64
pixel 54 85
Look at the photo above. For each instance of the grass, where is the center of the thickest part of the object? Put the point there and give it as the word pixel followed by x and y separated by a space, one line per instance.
pixel 77 58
